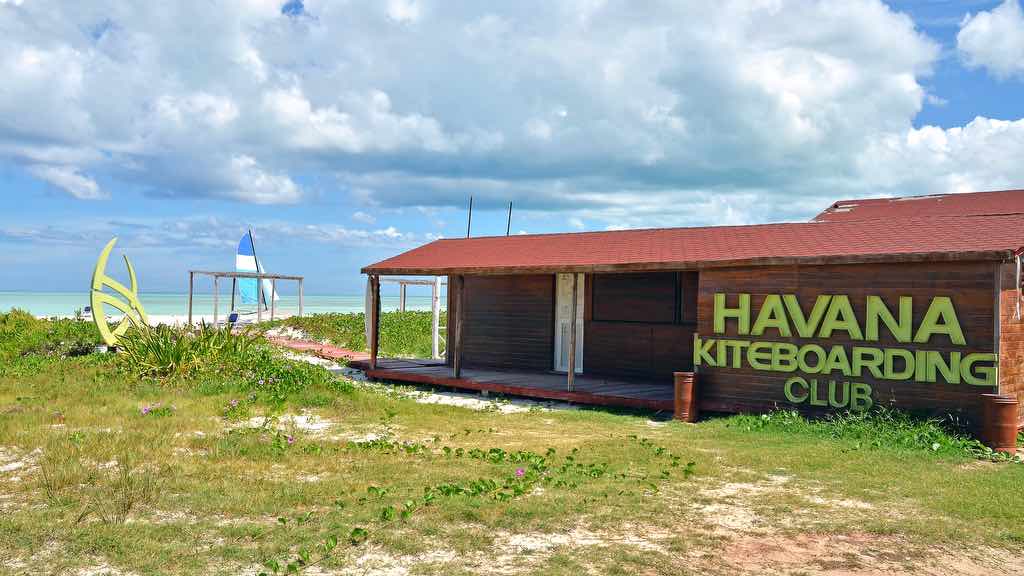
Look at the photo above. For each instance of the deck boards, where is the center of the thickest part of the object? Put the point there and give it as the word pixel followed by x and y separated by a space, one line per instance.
pixel 548 385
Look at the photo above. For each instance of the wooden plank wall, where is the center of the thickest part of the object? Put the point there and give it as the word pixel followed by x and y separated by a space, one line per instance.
pixel 1011 335
pixel 971 285
pixel 509 322
pixel 636 349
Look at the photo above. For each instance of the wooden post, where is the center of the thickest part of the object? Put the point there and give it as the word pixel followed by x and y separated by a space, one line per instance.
pixel 300 298
pixel 374 342
pixel 571 372
pixel 216 298
pixel 273 292
pixel 191 282
pixel 401 296
pixel 460 282
pixel 259 297
pixel 234 288
pixel 435 321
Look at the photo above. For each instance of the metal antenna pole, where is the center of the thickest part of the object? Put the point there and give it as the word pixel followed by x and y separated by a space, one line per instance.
pixel 469 222
pixel 508 227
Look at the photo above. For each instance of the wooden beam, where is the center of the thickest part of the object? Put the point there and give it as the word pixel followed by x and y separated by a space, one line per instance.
pixel 374 342
pixel 259 297
pixel 570 373
pixel 300 298
pixel 216 300
pixel 191 283
pixel 401 297
pixel 460 293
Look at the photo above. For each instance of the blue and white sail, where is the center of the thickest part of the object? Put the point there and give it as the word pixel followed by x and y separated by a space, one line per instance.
pixel 245 261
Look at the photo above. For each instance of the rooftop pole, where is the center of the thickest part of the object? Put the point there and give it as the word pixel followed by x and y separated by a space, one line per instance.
pixel 508 226
pixel 469 222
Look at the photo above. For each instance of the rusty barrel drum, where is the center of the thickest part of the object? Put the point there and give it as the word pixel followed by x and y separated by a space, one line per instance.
pixel 1000 417
pixel 686 396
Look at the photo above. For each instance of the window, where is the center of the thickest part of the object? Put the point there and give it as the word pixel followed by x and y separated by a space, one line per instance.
pixel 651 298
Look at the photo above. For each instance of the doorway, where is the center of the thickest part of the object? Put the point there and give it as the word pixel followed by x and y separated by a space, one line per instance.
pixel 563 321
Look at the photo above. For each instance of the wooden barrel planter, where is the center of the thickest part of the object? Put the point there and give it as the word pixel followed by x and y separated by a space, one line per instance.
pixel 1000 417
pixel 686 408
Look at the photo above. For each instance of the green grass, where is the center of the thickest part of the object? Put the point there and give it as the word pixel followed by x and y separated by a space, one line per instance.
pixel 402 334
pixel 158 464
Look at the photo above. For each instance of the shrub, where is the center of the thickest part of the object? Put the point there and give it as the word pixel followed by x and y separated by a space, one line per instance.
pixel 22 334
pixel 401 333
pixel 880 427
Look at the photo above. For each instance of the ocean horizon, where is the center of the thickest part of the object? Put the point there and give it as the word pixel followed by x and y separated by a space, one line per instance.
pixel 169 303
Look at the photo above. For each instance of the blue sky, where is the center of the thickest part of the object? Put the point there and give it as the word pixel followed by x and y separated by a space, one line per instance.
pixel 344 133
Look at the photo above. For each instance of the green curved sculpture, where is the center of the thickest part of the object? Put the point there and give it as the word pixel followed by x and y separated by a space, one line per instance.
pixel 132 308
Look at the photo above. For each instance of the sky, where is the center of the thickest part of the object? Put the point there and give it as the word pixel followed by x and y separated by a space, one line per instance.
pixel 344 132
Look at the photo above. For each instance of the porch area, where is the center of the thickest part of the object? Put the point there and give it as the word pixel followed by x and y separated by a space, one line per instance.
pixel 599 391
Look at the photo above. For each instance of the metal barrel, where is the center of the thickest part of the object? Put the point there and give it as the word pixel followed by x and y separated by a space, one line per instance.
pixel 1000 418
pixel 686 405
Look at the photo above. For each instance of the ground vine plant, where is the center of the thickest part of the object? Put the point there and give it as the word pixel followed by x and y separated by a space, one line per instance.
pixel 208 452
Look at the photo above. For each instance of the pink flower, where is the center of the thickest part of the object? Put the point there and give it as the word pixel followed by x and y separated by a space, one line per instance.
pixel 234 403
pixel 520 473
pixel 290 440
pixel 145 410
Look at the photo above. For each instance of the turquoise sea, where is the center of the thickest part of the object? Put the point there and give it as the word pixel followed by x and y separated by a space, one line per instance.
pixel 158 304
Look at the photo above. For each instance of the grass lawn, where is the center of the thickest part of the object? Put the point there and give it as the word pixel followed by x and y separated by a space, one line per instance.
pixel 114 467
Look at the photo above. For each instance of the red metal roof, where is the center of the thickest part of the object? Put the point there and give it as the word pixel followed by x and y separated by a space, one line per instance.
pixel 910 239
pixel 966 204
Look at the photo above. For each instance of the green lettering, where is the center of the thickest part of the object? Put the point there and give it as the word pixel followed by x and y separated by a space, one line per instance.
pixel 741 313
pixel 815 401
pixel 701 351
pixel 801 358
pixel 860 361
pixel 877 310
pixel 759 356
pixel 832 400
pixel 888 369
pixel 988 374
pixel 840 316
pixel 806 327
pixel 950 372
pixel 837 360
pixel 940 319
pixel 771 315
pixel 788 389
pixel 860 396
pixel 784 357
pixel 737 347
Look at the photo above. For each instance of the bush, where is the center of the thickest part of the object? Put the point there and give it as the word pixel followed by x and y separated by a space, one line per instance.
pixel 218 360
pixel 401 333
pixel 22 334
pixel 880 427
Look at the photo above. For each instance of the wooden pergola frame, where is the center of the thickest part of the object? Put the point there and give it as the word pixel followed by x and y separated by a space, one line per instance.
pixel 456 284
pixel 259 276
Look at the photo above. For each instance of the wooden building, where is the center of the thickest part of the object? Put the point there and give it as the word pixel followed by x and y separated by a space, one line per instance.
pixel 911 302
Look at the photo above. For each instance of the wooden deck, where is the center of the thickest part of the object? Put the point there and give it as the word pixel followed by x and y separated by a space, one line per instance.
pixel 547 385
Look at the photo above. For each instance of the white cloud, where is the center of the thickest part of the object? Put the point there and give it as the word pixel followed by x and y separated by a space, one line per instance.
pixel 600 111
pixel 250 182
pixel 363 217
pixel 404 10
pixel 69 180
pixel 576 223
pixel 994 40
pixel 983 155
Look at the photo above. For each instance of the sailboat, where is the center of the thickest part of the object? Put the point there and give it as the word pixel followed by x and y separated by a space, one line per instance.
pixel 246 261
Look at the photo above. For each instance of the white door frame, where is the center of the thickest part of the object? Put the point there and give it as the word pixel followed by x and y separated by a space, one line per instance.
pixel 563 317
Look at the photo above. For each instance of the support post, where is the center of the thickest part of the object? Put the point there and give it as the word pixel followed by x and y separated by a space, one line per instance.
pixel 300 298
pixel 687 407
pixel 273 292
pixel 259 297
pixel 234 288
pixel 435 321
pixel 216 298
pixel 374 342
pixel 571 372
pixel 401 296
pixel 459 287
pixel 191 283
